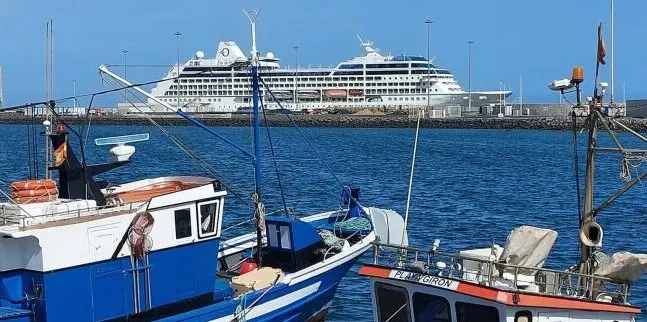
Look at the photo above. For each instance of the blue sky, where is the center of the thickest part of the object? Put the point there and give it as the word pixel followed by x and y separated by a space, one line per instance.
pixel 541 39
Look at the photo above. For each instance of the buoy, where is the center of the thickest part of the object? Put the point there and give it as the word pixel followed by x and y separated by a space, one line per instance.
pixel 33 184
pixel 247 267
pixel 34 192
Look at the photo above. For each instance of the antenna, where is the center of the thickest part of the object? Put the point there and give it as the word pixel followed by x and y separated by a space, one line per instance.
pixel 360 40
pixel 252 15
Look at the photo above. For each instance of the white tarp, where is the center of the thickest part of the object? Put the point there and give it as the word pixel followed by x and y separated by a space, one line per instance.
pixel 388 226
pixel 624 266
pixel 528 246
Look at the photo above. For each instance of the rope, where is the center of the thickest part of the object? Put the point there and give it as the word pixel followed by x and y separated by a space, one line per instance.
pixel 259 212
pixel 276 166
pixel 242 314
pixel 186 150
pixel 302 134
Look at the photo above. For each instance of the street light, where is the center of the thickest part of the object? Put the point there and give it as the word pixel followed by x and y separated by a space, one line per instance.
pixel 296 71
pixel 125 51
pixel 428 22
pixel 469 74
pixel 177 35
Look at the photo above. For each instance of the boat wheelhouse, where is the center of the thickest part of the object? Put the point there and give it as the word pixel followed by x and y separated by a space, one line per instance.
pixel 222 83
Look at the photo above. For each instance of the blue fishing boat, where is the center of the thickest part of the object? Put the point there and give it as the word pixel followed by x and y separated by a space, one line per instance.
pixel 82 249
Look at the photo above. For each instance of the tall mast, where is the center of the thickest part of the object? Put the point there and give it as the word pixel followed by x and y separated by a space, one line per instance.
pixel 252 15
pixel 586 215
pixel 48 92
pixel 613 57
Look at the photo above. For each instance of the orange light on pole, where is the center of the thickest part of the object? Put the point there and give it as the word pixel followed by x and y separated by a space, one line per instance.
pixel 578 75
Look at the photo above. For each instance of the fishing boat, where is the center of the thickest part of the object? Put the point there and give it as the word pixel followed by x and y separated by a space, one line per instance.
pixel 83 249
pixel 509 282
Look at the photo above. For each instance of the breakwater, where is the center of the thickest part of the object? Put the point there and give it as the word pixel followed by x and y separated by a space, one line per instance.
pixel 335 120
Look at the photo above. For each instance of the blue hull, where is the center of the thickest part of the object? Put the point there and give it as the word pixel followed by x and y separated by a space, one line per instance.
pixel 297 302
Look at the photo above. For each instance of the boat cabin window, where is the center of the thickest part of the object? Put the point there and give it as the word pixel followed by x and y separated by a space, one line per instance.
pixel 392 303
pixel 182 223
pixel 207 213
pixel 430 308
pixel 468 312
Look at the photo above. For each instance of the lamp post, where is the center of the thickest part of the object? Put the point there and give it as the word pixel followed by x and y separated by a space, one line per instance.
pixel 177 35
pixel 296 72
pixel 125 51
pixel 469 74
pixel 74 94
pixel 428 22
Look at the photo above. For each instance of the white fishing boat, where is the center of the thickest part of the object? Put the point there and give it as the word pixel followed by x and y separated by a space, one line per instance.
pixel 509 282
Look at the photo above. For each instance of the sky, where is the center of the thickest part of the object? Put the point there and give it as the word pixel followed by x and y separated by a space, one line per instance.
pixel 541 40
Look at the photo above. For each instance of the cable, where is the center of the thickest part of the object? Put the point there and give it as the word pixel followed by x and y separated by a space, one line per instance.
pixel 276 167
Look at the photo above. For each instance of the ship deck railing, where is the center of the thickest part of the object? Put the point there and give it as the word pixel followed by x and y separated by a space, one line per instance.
pixel 10 219
pixel 499 275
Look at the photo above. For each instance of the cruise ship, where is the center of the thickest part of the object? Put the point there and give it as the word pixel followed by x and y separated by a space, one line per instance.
pixel 374 80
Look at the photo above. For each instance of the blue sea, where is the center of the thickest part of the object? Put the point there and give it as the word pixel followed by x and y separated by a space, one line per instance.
pixel 471 187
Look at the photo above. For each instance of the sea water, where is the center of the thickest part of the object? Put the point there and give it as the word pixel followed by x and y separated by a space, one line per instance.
pixel 470 188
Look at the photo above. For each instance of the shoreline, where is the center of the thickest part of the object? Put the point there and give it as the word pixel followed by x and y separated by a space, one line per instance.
pixel 337 120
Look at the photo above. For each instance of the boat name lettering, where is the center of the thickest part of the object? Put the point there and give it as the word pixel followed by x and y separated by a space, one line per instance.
pixel 424 279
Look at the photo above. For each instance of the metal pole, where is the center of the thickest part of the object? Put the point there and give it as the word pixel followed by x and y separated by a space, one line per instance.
pixel 612 55
pixel 74 93
pixel 177 48
pixel 428 22
pixel 125 51
pixel 296 75
pixel 469 74
pixel 521 92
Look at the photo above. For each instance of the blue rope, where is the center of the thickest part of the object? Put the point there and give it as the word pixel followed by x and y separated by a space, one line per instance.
pixel 302 135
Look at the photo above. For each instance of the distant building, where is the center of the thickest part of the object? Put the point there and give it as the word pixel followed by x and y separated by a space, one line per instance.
pixel 637 108
pixel 1 94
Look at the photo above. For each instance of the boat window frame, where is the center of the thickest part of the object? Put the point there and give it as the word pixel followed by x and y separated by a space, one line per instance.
pixel 445 301
pixel 482 306
pixel 176 212
pixel 396 288
pixel 215 219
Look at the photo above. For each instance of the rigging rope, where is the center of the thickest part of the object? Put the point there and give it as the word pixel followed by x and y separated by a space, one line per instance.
pixel 302 134
pixel 276 166
pixel 236 191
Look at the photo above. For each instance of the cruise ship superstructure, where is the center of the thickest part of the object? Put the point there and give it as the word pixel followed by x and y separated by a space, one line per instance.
pixel 221 84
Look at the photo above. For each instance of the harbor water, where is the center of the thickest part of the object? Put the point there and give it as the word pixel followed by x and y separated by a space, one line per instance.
pixel 471 187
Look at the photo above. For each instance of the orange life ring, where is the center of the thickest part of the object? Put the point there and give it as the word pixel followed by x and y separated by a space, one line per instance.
pixel 34 193
pixel 33 185
pixel 24 200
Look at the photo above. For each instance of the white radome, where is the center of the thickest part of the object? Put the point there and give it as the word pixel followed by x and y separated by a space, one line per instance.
pixel 269 55
pixel 199 54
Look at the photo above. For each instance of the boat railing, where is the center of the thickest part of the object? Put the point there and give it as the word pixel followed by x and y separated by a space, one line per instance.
pixel 496 274
pixel 10 216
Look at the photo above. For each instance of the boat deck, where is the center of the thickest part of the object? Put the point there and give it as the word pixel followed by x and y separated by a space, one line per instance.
pixel 415 265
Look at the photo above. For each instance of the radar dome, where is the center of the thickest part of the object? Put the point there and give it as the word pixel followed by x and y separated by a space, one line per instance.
pixel 199 54
pixel 270 55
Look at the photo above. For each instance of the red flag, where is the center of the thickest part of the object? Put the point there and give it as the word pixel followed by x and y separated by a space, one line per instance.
pixel 602 52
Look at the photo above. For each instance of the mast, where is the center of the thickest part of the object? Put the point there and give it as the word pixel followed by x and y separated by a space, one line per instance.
pixel 48 93
pixel 587 215
pixel 252 15
pixel 613 57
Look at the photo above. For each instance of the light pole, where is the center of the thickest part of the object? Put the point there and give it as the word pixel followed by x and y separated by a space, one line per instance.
pixel 74 94
pixel 177 35
pixel 428 22
pixel 296 72
pixel 469 74
pixel 125 51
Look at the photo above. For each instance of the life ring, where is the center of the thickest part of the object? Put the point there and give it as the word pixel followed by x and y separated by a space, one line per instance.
pixel 33 185
pixel 34 193
pixel 25 200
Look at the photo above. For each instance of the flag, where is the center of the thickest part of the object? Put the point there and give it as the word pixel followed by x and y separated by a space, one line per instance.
pixel 602 52
pixel 60 154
